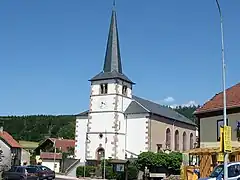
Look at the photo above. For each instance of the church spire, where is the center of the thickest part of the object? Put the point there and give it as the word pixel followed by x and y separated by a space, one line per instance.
pixel 112 68
pixel 112 60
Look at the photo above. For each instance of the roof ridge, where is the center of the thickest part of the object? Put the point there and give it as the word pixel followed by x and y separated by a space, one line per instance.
pixel 151 101
pixel 140 105
pixel 214 104
pixel 147 100
pixel 163 110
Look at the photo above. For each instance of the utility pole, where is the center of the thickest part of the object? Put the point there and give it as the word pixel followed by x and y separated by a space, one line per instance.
pixel 224 87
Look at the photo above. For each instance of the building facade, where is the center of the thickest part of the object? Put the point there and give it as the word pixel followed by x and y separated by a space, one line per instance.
pixel 210 118
pixel 10 151
pixel 119 125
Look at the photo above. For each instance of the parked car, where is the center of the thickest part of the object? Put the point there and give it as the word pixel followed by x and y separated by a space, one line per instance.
pixel 217 173
pixel 44 172
pixel 21 172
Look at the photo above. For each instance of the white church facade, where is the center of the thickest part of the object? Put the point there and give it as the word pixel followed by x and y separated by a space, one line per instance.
pixel 119 125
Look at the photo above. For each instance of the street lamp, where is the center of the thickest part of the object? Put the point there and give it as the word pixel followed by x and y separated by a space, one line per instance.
pixel 224 87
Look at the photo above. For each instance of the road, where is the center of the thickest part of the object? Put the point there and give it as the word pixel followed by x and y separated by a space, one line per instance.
pixel 62 177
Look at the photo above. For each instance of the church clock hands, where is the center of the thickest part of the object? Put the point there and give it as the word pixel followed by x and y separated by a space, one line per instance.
pixel 102 104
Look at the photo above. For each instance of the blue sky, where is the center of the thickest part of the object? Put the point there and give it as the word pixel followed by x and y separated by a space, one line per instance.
pixel 49 50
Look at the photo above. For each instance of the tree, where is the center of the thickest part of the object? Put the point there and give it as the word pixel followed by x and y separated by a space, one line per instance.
pixel 38 127
pixel 187 111
pixel 67 131
pixel 171 162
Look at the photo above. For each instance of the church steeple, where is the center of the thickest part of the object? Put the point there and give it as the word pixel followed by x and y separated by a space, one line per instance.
pixel 112 68
pixel 112 60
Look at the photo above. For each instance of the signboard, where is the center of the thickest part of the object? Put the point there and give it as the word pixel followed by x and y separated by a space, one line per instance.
pixel 227 139
pixel 221 139
pixel 120 167
pixel 220 157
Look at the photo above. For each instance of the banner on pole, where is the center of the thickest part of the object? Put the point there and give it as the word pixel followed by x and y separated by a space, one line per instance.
pixel 227 131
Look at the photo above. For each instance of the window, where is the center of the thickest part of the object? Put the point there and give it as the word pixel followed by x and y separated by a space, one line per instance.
pixel 168 138
pixel 13 169
pixel 217 171
pixel 103 88
pixel 31 170
pixel 124 90
pixel 219 125
pixel 159 148
pixel 184 141
pixel 191 141
pixel 20 169
pixel 234 170
pixel 44 168
pixel 176 139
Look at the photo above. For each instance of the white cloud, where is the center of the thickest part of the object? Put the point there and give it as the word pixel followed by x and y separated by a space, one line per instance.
pixel 174 105
pixel 188 104
pixel 169 100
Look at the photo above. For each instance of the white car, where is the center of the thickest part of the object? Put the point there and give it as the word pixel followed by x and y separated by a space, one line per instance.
pixel 233 172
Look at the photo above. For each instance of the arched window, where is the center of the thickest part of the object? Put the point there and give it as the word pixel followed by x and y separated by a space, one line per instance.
pixel 168 138
pixel 176 140
pixel 184 141
pixel 191 141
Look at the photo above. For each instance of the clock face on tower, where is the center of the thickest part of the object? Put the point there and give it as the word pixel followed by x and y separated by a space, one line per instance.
pixel 102 104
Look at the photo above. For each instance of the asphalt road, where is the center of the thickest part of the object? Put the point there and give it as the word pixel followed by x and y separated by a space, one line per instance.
pixel 65 178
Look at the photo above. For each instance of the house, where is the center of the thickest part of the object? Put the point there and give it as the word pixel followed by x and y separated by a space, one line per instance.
pixel 11 150
pixel 50 151
pixel 210 118
pixel 121 125
pixel 29 146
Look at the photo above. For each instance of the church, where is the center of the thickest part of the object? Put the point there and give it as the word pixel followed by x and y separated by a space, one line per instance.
pixel 120 125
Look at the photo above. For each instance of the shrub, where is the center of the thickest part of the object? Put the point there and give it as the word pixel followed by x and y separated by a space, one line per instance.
pixel 171 162
pixel 132 171
pixel 88 171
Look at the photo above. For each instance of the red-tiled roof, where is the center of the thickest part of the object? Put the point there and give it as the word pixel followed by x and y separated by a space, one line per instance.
pixel 10 140
pixel 216 103
pixel 48 155
pixel 63 144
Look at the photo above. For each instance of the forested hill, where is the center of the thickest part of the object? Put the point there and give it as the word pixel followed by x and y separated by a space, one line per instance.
pixel 39 127
pixel 187 111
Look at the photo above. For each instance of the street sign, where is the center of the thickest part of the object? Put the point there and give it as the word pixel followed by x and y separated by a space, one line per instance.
pixel 221 139
pixel 227 139
pixel 220 157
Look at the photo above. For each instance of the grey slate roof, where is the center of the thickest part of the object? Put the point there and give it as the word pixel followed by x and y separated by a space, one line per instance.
pixel 143 106
pixel 112 68
pixel 84 114
pixel 112 57
pixel 111 75
pixel 140 105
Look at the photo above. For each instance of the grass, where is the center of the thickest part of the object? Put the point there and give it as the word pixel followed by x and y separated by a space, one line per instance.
pixel 29 144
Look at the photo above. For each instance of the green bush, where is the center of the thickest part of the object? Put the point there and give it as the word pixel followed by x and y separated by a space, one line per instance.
pixel 132 171
pixel 171 162
pixel 109 173
pixel 88 171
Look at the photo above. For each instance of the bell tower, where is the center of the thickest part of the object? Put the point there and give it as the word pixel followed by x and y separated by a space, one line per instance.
pixel 111 93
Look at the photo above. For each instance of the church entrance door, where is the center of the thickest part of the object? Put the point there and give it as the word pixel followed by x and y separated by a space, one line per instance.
pixel 100 154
